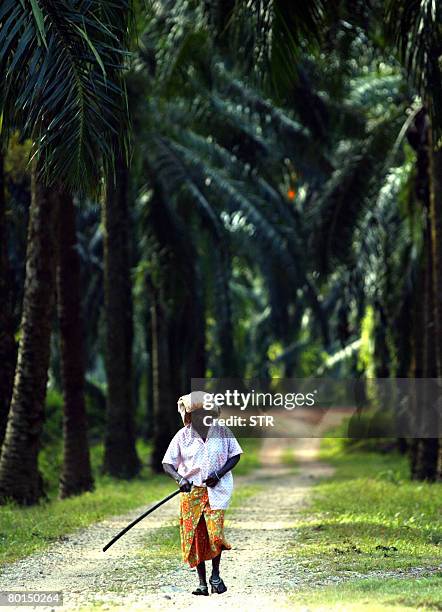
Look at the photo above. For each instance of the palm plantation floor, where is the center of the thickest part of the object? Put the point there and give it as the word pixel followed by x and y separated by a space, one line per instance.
pixel 143 571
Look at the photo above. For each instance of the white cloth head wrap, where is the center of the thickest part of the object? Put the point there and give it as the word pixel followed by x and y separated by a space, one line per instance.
pixel 191 402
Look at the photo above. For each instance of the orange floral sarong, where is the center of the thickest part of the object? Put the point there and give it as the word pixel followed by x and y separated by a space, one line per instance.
pixel 201 528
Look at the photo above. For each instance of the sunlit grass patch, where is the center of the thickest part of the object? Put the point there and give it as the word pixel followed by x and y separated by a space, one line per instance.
pixel 369 516
pixel 374 594
pixel 26 530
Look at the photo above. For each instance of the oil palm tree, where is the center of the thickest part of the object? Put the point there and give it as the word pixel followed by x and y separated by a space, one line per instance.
pixel 223 157
pixel 196 182
pixel 120 457
pixel 415 30
pixel 177 315
pixel 7 340
pixel 61 67
pixel 76 474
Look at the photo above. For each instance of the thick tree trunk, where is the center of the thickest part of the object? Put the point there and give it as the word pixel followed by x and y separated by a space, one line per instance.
pixel 177 319
pixel 164 395
pixel 76 475
pixel 418 360
pixel 148 421
pixel 120 459
pixel 436 240
pixel 426 459
pixel 223 313
pixel 19 475
pixel 423 455
pixel 8 348
pixel 418 344
pixel 426 448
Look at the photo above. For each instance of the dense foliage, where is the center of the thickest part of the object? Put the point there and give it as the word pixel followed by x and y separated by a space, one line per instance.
pixel 253 191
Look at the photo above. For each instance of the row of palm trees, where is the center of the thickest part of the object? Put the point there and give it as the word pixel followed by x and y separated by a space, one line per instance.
pixel 361 231
pixel 62 87
pixel 280 195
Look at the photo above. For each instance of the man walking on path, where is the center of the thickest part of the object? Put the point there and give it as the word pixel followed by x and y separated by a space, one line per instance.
pixel 200 458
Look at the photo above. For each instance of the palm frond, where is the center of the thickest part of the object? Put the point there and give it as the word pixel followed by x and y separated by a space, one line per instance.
pixel 175 38
pixel 227 212
pixel 260 190
pixel 340 204
pixel 175 178
pixel 414 27
pixel 236 200
pixel 62 64
pixel 267 35
pixel 371 91
pixel 291 137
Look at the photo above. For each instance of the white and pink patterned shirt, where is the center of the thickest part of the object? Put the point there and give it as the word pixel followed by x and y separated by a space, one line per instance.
pixel 196 460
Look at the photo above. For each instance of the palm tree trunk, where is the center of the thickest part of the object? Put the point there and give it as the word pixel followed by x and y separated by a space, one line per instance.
pixel 381 353
pixel 19 475
pixel 177 320
pixel 164 396
pixel 148 421
pixel 418 359
pixel 76 475
pixel 197 363
pixel 426 448
pixel 178 355
pixel 436 240
pixel 423 451
pixel 8 348
pixel 120 459
pixel 223 314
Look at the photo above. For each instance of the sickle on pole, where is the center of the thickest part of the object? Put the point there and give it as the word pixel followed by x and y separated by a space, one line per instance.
pixel 137 520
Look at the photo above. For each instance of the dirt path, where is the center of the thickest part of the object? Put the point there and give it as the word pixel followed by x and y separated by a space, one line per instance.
pixel 258 576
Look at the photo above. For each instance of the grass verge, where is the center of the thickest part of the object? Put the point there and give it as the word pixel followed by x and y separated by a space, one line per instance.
pixel 369 517
pixel 376 594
